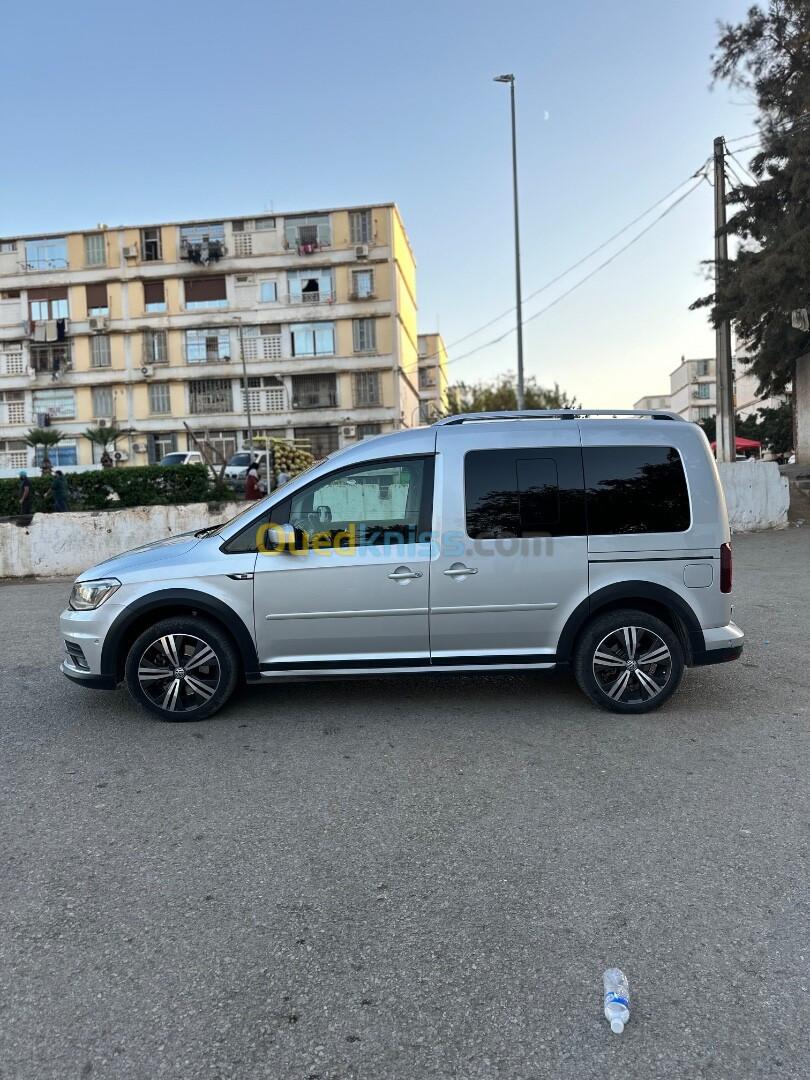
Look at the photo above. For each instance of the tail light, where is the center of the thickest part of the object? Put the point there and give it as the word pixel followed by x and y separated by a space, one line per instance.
pixel 725 568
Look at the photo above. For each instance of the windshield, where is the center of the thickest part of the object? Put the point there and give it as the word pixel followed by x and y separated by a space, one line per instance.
pixel 173 459
pixel 240 459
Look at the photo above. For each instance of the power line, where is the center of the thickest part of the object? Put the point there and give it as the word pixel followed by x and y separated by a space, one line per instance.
pixel 587 277
pixel 700 172
pixel 750 176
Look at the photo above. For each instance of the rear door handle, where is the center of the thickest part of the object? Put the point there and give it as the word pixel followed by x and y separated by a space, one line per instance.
pixel 405 575
pixel 460 571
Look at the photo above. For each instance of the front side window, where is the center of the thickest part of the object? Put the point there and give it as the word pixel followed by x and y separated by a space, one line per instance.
pixel 524 493
pixel 635 489
pixel 313 339
pixel 95 250
pixel 378 503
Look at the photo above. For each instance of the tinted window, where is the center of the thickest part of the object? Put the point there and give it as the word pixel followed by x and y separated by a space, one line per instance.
pixel 524 493
pixel 635 489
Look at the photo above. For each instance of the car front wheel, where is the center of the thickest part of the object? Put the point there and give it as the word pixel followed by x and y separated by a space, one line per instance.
pixel 629 661
pixel 182 668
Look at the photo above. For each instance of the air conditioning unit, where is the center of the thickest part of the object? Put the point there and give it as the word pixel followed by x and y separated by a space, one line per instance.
pixel 361 251
pixel 349 431
pixel 120 455
pixel 131 252
pixel 139 447
pixel 102 423
pixel 695 393
pixel 147 371
pixel 98 322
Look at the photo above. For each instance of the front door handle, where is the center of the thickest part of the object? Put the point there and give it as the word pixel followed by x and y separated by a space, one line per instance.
pixel 460 571
pixel 405 575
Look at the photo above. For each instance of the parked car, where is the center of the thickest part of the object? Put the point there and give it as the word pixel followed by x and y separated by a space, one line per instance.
pixel 182 457
pixel 486 542
pixel 236 470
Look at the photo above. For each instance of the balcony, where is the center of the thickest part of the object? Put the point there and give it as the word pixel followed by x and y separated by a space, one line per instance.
pixel 202 252
pixel 322 296
pixel 265 399
pixel 13 412
pixel 51 360
pixel 12 362
pixel 307 237
pixel 46 331
pixel 265 347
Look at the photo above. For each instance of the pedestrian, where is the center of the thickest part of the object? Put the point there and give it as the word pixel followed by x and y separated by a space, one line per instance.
pixel 282 479
pixel 59 491
pixel 252 490
pixel 26 493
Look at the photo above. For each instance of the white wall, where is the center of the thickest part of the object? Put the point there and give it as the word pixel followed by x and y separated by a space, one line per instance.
pixel 63 545
pixel 757 496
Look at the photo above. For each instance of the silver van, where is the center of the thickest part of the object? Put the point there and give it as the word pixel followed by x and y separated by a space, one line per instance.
pixel 505 541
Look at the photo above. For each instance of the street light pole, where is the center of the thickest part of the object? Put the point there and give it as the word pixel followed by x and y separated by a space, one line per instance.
pixel 521 402
pixel 245 385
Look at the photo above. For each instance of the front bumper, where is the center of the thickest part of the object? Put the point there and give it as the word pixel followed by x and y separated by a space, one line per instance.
pixel 87 678
pixel 722 644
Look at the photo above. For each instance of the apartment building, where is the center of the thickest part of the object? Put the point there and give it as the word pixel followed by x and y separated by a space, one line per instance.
pixel 432 377
pixel 693 390
pixel 151 327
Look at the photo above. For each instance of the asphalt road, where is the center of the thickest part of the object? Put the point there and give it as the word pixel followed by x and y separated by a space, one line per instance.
pixel 410 879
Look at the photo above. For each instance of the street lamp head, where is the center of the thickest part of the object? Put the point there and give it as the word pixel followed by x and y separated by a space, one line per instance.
pixel 504 78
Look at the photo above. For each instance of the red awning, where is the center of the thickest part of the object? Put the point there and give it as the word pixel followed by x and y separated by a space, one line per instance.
pixel 742 444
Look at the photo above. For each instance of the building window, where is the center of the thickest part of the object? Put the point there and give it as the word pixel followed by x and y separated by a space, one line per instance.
pixel 313 339
pixel 365 335
pixel 210 396
pixel 7 247
pixel 53 358
pixel 422 347
pixel 49 254
pixel 704 412
pixel 95 250
pixel 151 245
pixel 155 347
pixel 11 358
pixel 427 378
pixel 322 440
pixel 366 388
pixel 362 284
pixel 159 445
pixel 103 401
pixel 202 244
pixel 47 304
pixel 310 286
pixel 154 296
pixel 98 302
pixel 100 351
pixel 308 232
pixel 205 292
pixel 207 346
pixel 360 227
pixel 13 454
pixel 265 393
pixel 56 404
pixel 702 367
pixel 704 390
pixel 64 453
pixel 268 292
pixel 366 431
pixel 314 391
pixel 159 399
pixel 12 407
pixel 265 223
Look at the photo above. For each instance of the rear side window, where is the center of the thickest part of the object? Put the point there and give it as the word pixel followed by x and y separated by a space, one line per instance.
pixel 635 489
pixel 524 493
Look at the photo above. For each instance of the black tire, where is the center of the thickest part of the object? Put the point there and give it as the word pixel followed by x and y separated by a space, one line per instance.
pixel 607 661
pixel 171 645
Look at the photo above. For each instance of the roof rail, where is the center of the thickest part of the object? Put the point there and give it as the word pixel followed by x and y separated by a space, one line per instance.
pixel 558 414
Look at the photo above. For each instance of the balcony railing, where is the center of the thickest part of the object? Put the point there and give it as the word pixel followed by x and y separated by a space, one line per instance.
pixel 13 412
pixel 267 347
pixel 324 399
pixel 12 362
pixel 323 296
pixel 265 400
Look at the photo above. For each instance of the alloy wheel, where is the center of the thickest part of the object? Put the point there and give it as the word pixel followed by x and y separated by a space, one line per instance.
pixel 632 665
pixel 179 672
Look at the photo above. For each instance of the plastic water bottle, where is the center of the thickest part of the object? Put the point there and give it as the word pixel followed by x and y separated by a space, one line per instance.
pixel 617 999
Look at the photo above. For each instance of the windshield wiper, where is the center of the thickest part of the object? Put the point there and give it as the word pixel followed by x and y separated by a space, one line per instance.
pixel 207 532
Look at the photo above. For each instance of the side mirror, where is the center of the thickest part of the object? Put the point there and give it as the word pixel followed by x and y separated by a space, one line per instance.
pixel 277 539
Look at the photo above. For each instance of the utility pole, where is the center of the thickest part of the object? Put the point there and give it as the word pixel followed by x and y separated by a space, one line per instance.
pixel 245 386
pixel 726 445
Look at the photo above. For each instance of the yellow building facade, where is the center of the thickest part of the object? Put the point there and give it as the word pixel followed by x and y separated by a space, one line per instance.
pixel 307 321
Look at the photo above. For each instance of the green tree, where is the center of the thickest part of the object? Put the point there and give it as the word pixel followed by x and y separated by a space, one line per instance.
pixel 776 428
pixel 45 438
pixel 500 395
pixel 105 437
pixel 769 56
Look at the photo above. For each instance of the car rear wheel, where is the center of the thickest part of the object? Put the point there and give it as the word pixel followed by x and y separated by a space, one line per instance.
pixel 629 662
pixel 182 668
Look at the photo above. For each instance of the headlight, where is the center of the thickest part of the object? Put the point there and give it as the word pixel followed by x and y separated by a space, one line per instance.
pixel 87 595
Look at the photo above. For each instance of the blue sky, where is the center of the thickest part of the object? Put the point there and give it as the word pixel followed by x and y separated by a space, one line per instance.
pixel 176 110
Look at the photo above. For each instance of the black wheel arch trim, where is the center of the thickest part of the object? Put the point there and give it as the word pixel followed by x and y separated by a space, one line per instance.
pixel 205 605
pixel 628 591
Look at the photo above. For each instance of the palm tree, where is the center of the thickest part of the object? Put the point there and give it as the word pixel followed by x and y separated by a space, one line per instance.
pixel 105 437
pixel 44 437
